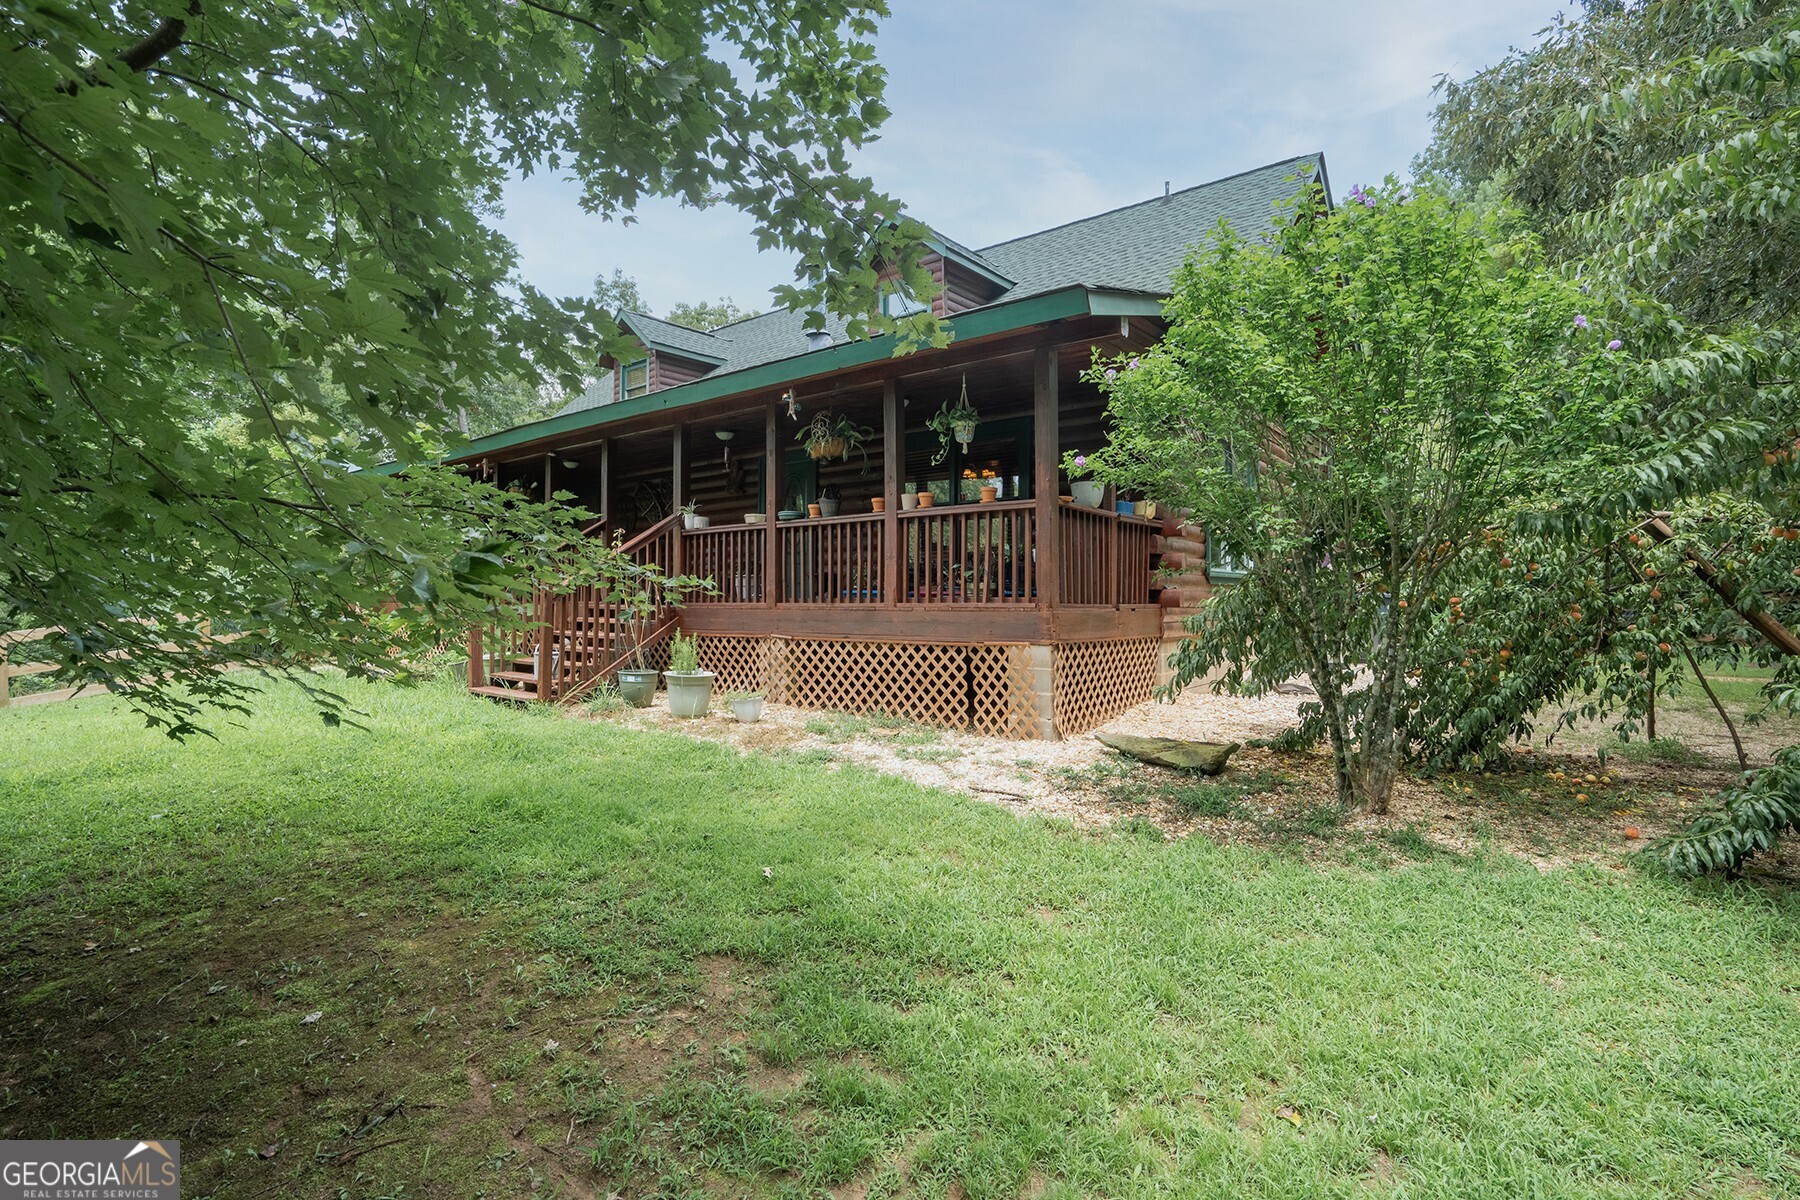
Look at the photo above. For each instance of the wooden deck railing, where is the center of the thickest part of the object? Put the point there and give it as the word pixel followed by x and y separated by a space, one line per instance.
pixel 732 557
pixel 963 555
pixel 569 637
pixel 830 560
pixel 970 554
pixel 1137 547
pixel 959 557
pixel 1105 558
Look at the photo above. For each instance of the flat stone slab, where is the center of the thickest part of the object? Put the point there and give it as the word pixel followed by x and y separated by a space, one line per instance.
pixel 1208 758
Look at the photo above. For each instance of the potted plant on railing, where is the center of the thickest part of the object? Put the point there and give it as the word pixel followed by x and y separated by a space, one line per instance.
pixel 1087 492
pixel 828 435
pixel 829 501
pixel 690 688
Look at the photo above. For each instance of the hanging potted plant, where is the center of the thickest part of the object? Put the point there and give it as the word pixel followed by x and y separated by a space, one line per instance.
pixel 954 422
pixel 690 688
pixel 828 435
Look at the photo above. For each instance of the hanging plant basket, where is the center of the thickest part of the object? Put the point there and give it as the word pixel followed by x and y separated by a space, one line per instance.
pixel 954 423
pixel 828 435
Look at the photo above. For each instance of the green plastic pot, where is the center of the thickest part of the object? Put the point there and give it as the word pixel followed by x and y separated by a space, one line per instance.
pixel 637 688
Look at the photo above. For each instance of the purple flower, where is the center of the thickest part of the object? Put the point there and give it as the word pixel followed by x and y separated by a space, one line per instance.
pixel 1368 200
pixel 1132 364
pixel 1614 344
pixel 1580 321
pixel 1081 460
pixel 1111 374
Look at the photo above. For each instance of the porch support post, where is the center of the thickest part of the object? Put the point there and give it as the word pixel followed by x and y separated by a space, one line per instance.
pixel 606 505
pixel 678 487
pixel 893 463
pixel 1046 434
pixel 771 502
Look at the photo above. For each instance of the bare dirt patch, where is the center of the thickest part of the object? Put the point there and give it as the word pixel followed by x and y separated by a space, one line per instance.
pixel 346 1049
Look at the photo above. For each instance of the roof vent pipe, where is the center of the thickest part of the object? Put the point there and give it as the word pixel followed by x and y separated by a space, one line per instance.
pixel 1165 189
pixel 817 339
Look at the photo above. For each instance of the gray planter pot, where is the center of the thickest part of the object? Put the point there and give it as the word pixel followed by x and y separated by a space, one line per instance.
pixel 690 692
pixel 747 709
pixel 637 688
pixel 829 508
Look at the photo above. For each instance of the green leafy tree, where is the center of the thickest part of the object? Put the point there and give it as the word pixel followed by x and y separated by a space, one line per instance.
pixel 1349 408
pixel 243 255
pixel 701 315
pixel 619 292
pixel 1654 144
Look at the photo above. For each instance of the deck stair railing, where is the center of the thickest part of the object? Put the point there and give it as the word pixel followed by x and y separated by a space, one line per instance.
pixel 570 638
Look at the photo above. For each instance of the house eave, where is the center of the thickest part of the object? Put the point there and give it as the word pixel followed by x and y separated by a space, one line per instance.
pixel 1001 317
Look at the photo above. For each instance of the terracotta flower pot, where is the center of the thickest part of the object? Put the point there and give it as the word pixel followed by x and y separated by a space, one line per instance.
pixel 925 500
pixel 812 510
pixel 878 504
pixel 989 494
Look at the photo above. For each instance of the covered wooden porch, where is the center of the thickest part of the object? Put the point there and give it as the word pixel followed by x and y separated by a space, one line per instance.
pixel 919 568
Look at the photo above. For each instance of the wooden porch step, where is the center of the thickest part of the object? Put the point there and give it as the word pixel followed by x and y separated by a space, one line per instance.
pixel 515 676
pixel 517 695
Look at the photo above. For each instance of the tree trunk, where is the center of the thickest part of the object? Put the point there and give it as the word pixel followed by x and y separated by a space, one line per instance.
pixel 1372 781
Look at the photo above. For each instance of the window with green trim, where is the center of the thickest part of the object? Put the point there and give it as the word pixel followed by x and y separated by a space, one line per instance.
pixel 897 302
pixel 635 379
pixel 1220 566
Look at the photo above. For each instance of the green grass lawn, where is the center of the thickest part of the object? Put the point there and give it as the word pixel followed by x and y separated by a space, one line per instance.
pixel 556 957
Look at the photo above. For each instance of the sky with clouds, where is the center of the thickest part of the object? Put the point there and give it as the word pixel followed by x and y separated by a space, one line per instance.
pixel 1014 115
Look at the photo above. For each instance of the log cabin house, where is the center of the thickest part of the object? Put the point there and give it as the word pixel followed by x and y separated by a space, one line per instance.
pixel 1024 615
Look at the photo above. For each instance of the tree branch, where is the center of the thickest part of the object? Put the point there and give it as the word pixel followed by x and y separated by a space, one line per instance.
pixel 160 42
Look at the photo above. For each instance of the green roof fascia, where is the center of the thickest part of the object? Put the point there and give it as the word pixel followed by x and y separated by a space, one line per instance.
pixel 967 259
pixel 1125 304
pixel 1074 301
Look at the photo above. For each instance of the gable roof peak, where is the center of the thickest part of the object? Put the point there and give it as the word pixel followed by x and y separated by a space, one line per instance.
pixel 1317 161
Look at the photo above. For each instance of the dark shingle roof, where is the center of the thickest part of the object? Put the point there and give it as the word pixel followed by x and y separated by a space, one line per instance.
pixel 678 339
pixel 599 392
pixel 1132 249
pixel 1138 247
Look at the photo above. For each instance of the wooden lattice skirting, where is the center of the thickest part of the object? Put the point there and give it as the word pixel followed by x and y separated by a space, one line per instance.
pixel 1008 690
pixel 1093 682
